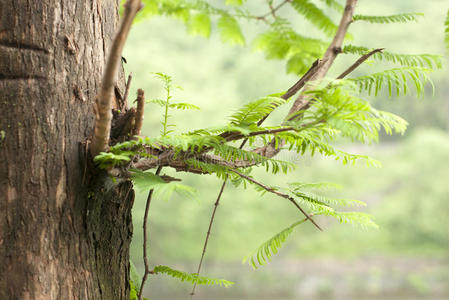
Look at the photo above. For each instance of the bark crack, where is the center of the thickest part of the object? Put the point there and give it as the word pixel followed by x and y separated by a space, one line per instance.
pixel 17 45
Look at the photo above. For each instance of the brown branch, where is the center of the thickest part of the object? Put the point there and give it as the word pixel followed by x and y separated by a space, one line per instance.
pixel 139 112
pixel 359 62
pixel 289 93
pixel 128 85
pixel 100 140
pixel 329 56
pixel 271 190
pixel 145 239
pixel 299 84
pixel 303 100
pixel 168 157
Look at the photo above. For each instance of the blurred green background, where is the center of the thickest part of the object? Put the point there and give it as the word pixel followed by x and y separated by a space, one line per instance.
pixel 407 258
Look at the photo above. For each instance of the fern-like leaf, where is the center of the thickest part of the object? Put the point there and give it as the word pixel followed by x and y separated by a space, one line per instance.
pixel 252 112
pixel 145 181
pixel 283 42
pixel 409 60
pixel 191 277
pixel 396 80
pixel 323 200
pixel 360 219
pixel 235 2
pixel 220 171
pixel 108 159
pixel 199 24
pixel 446 32
pixel 399 18
pixel 315 16
pixel 322 205
pixel 305 142
pixel 183 106
pixel 334 4
pixel 264 252
pixel 230 31
pixel 316 185
pixel 231 153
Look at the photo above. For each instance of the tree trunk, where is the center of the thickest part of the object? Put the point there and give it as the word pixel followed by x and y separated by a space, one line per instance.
pixel 64 233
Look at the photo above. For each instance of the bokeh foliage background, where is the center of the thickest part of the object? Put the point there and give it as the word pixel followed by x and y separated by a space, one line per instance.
pixel 407 258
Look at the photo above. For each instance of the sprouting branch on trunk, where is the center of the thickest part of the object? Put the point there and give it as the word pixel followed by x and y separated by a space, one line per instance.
pixel 128 86
pixel 139 112
pixel 103 113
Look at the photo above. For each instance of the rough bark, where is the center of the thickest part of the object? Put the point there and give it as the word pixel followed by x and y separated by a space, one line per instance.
pixel 64 232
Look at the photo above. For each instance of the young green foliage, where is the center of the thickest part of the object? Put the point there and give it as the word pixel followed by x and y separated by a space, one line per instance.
pixel 263 254
pixel 145 181
pixel 399 18
pixel 446 32
pixel 334 4
pixel 106 160
pixel 396 80
pixel 407 60
pixel 199 24
pixel 191 277
pixel 166 104
pixel 335 111
pixel 230 31
pixel 315 16
pixel 252 112
pixel 281 41
pixel 319 205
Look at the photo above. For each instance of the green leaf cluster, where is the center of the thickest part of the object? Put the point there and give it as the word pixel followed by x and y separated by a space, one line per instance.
pixel 315 16
pixel 193 278
pixel 446 32
pixel 335 111
pixel 399 18
pixel 199 17
pixel 146 181
pixel 407 60
pixel 281 41
pixel 318 204
pixel 396 80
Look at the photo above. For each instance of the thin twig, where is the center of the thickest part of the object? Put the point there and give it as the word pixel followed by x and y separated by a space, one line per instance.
pixel 103 116
pixel 273 10
pixel 359 62
pixel 271 190
pixel 145 239
pixel 128 85
pixel 217 202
